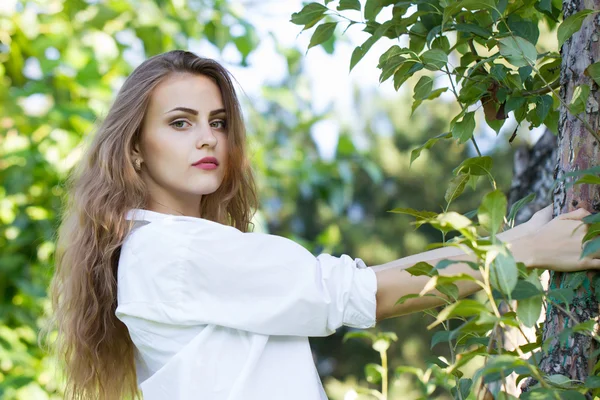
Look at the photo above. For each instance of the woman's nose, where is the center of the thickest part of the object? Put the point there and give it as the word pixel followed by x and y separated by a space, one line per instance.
pixel 206 136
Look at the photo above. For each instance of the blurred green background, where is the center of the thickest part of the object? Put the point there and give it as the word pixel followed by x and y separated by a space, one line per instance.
pixel 331 151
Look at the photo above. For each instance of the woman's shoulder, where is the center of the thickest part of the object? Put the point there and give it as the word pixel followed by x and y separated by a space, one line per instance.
pixel 176 222
pixel 166 230
pixel 160 230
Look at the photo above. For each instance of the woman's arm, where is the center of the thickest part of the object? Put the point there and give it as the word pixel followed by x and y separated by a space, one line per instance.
pixel 537 243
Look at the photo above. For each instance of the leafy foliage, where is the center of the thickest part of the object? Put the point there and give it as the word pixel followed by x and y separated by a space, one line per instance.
pixel 84 51
pixel 486 51
pixel 497 67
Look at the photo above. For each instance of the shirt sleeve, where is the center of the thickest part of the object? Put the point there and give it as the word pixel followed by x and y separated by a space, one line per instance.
pixel 262 283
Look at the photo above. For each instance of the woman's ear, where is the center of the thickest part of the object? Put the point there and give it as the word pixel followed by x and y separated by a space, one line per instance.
pixel 135 152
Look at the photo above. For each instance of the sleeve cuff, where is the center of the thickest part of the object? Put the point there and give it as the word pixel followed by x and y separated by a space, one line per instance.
pixel 361 308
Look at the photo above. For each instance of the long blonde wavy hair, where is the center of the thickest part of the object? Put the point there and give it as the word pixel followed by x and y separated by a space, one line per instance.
pixel 93 346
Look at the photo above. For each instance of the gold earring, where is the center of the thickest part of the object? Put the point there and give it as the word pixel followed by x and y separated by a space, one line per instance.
pixel 137 164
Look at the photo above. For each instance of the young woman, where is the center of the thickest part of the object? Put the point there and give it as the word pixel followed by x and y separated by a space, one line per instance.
pixel 159 285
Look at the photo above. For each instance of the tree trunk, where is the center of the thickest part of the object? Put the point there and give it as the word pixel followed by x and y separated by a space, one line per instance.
pixel 533 172
pixel 577 150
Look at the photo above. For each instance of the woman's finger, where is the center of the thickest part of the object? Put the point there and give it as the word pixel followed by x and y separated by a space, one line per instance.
pixel 544 214
pixel 578 214
pixel 589 263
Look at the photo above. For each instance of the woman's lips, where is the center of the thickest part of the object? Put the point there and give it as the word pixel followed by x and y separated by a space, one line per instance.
pixel 206 166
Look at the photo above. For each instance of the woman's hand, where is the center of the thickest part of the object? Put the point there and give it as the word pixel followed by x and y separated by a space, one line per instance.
pixel 539 219
pixel 556 245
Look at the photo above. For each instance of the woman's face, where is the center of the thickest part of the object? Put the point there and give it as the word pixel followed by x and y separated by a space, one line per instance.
pixel 185 123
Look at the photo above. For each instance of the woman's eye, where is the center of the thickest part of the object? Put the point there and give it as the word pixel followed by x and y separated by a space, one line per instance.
pixel 218 124
pixel 179 124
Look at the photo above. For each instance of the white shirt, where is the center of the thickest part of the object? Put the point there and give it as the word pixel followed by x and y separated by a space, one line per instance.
pixel 218 314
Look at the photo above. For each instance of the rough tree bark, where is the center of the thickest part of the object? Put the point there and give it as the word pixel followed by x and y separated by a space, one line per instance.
pixel 533 172
pixel 577 150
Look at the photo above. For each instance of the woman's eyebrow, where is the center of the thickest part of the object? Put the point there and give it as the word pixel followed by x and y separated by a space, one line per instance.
pixel 184 109
pixel 195 112
pixel 219 111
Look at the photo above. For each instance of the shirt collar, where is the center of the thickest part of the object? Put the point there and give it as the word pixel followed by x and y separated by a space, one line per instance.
pixel 138 214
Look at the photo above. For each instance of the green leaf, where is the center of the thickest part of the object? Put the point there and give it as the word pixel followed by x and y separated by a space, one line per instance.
pixel 416 67
pixel 574 280
pixel 592 219
pixel 504 273
pixel 423 88
pixel 441 337
pixel 551 122
pixel 474 29
pixel 514 209
pixel 517 51
pixel 593 71
pixel 579 99
pixel 360 51
pixel 390 67
pixel 550 71
pixel 309 15
pixel 586 326
pixel 453 220
pixel 524 28
pixel 591 247
pixel 478 4
pixel 463 130
pixel 409 296
pixel 464 387
pixel 581 172
pixel 442 264
pixel 430 142
pixel 436 93
pixel 571 395
pixel 524 72
pixel 456 187
pixel 541 394
pixel 322 34
pixel 592 382
pixel 571 25
pixel 372 9
pixel 491 212
pixel 422 269
pixel 373 372
pixel 529 310
pixel 590 179
pixel 561 295
pixel 593 231
pixel 502 365
pixel 512 103
pixel 434 59
pixel 558 380
pixel 524 290
pixel 360 335
pixel 448 289
pixel 415 213
pixel 543 104
pixel 403 73
pixel 462 308
pixel 349 5
pixel 478 166
pixel 405 369
pixel 467 4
